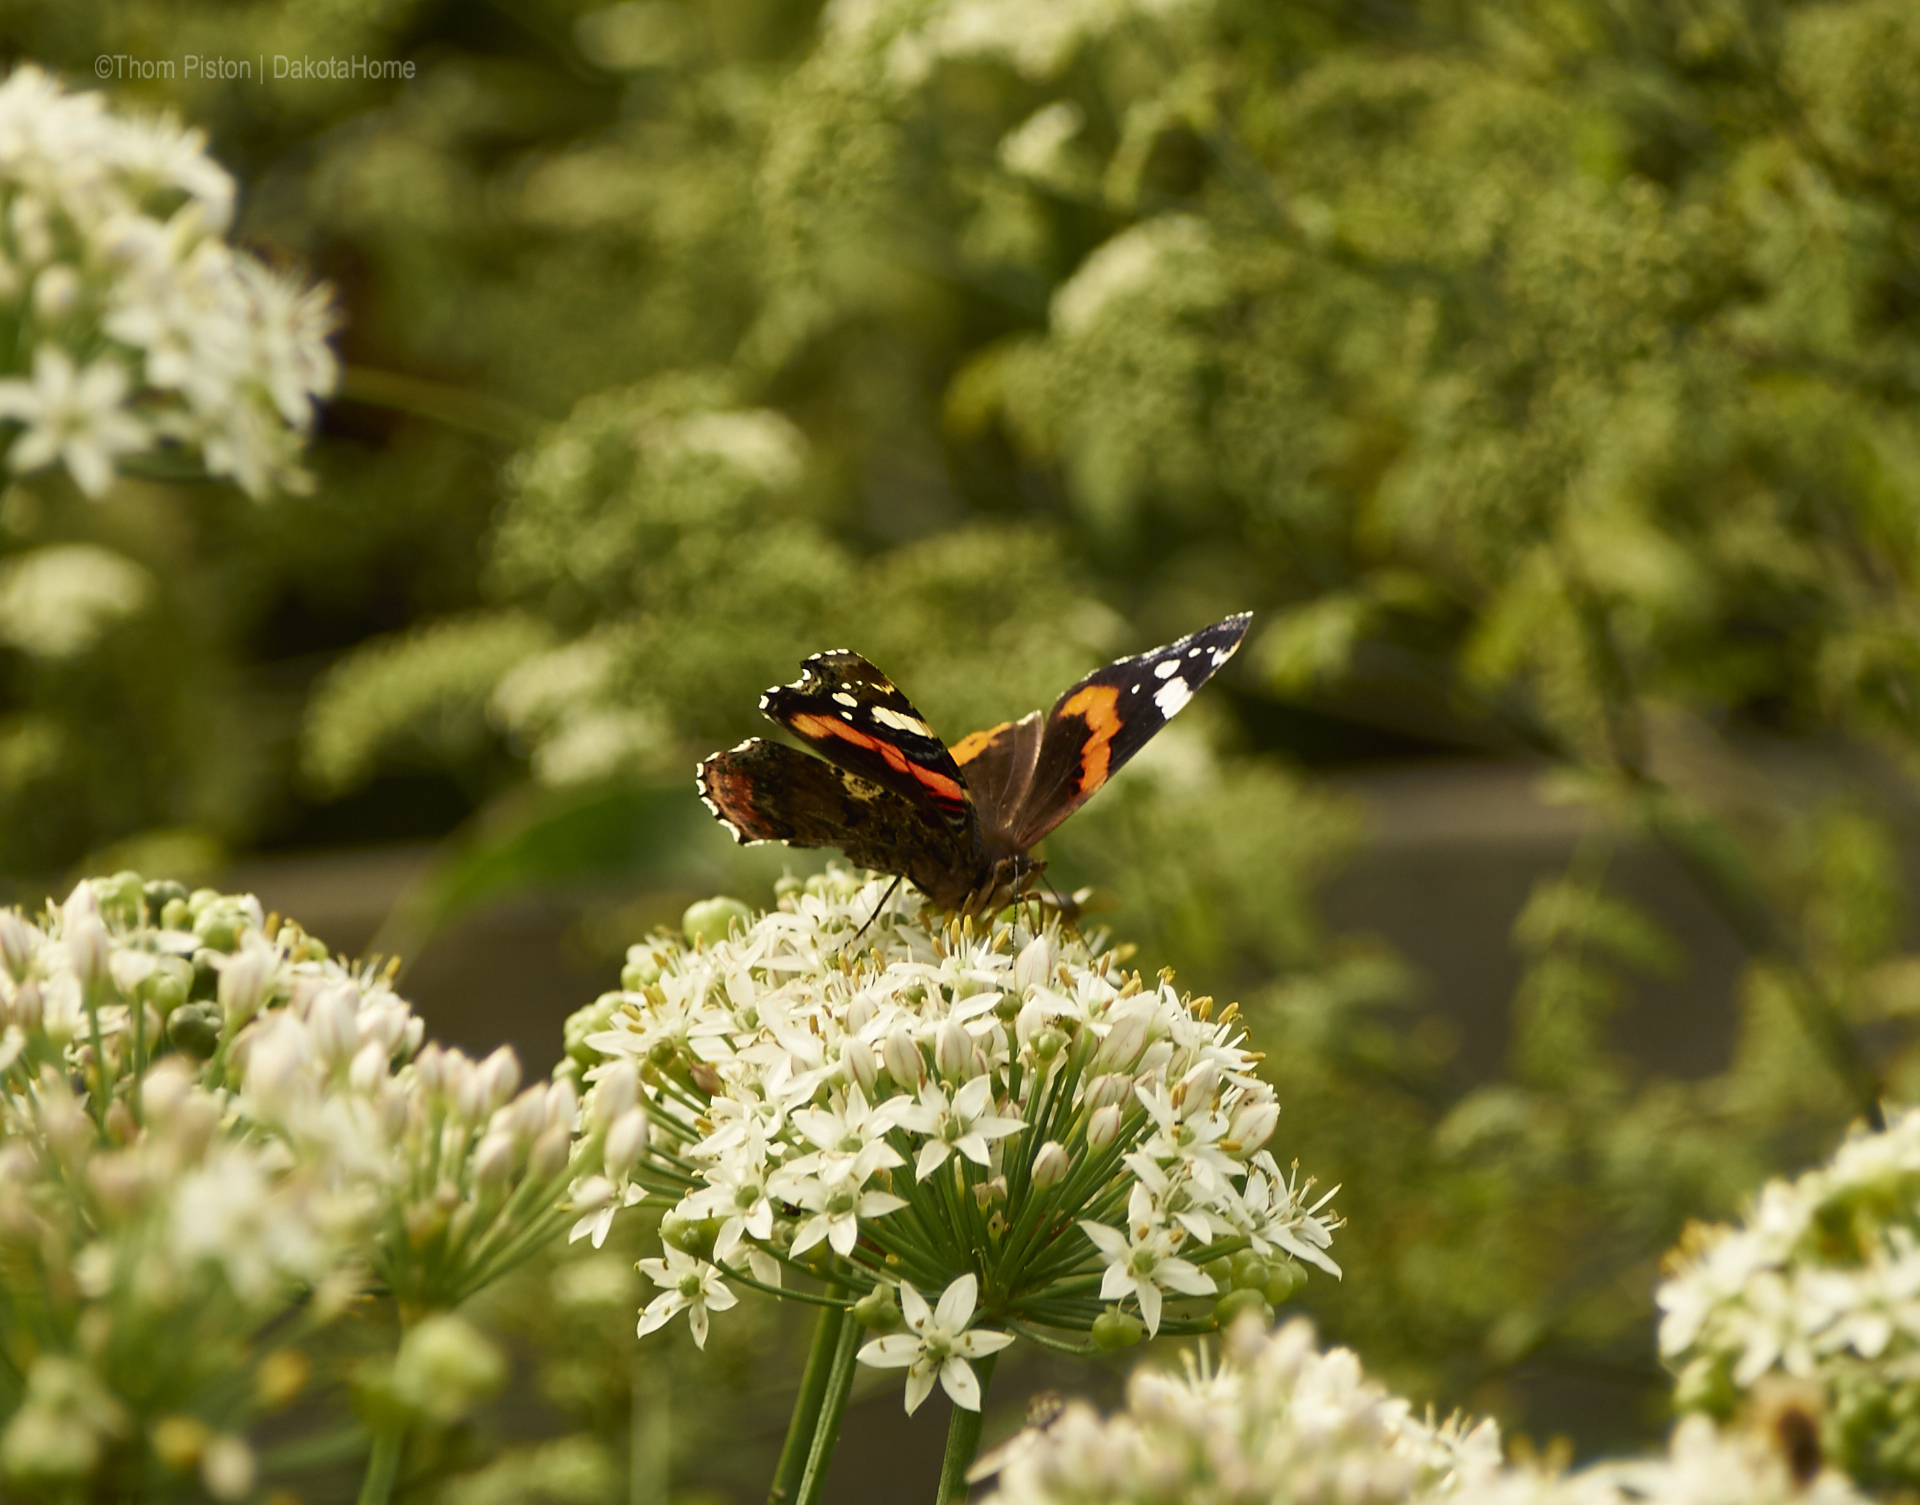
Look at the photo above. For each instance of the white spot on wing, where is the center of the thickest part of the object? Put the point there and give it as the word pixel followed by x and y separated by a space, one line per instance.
pixel 1171 696
pixel 1171 666
pixel 889 717
pixel 846 715
pixel 843 698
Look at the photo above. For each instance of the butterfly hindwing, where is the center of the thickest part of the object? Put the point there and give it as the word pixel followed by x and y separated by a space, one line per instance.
pixel 1109 716
pixel 999 764
pixel 852 715
pixel 764 791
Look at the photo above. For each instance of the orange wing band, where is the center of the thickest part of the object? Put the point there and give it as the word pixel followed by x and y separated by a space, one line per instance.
pixel 820 728
pixel 1096 705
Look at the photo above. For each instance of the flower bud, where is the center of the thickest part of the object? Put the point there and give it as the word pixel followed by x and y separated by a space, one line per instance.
pixel 1104 1091
pixel 614 1092
pixel 859 1014
pixel 1252 1125
pixel 902 1058
pixel 244 977
pixel 877 1311
pixel 466 1091
pixel 549 1155
pixel 1238 1305
pixel 862 1067
pixel 1113 1330
pixel 430 1071
pixel 1198 1086
pixel 1126 1038
pixel 711 920
pixel 626 1141
pixel 953 1051
pixel 89 951
pixel 493 1159
pixel 1051 1165
pixel 278 1055
pixel 18 944
pixel 1103 1128
pixel 499 1078
pixel 445 1368
pixel 593 1193
pixel 369 1068
pixel 1033 965
pixel 29 1009
pixel 166 1087
pixel 333 1021
pixel 563 1105
pixel 195 1029
pixel 227 1468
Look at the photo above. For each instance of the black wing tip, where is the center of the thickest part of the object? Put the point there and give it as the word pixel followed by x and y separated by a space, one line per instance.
pixel 702 771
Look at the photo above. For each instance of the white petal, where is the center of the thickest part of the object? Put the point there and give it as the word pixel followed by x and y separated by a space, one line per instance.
pixel 956 1376
pixel 956 1304
pixel 895 1351
pixel 1149 1295
pixel 933 1155
pixel 919 1387
pixel 980 1342
pixel 914 1305
pixel 697 1319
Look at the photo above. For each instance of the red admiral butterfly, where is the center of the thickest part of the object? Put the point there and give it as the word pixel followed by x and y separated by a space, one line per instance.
pixel 958 822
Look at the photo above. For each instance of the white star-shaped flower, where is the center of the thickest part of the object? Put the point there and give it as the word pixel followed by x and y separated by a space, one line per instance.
pixel 72 416
pixel 1141 1263
pixel 937 1344
pixel 687 1285
pixel 964 1123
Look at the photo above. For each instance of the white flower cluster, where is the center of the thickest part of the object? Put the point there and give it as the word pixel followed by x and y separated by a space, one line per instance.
pixel 137 326
pixel 849 1089
pixel 1280 1422
pixel 216 1136
pixel 1276 1420
pixel 1826 1267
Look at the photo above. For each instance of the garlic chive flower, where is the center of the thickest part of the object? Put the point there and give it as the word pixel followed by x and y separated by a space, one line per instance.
pixel 1277 1419
pixel 853 1095
pixel 937 1345
pixel 214 1139
pixel 687 1285
pixel 136 326
pixel 1820 1285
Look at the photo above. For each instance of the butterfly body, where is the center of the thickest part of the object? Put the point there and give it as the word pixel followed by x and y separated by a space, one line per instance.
pixel 958 822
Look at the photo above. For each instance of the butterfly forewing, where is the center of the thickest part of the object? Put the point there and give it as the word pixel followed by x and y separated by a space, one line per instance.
pixel 1109 716
pixel 851 714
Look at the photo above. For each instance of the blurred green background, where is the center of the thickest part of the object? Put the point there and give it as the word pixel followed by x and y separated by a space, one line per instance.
pixel 1544 374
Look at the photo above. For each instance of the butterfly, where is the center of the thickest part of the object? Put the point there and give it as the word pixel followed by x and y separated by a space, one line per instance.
pixel 960 823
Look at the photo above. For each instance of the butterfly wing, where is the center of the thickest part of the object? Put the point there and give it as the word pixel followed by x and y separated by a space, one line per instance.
pixel 1109 716
pixel 764 791
pixel 998 764
pixel 852 715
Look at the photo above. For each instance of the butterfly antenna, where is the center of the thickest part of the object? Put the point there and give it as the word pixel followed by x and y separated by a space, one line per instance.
pixel 892 889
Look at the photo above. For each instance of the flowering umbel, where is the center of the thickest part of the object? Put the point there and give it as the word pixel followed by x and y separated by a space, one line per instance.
pixel 1819 1286
pixel 217 1139
pixel 1001 1122
pixel 136 326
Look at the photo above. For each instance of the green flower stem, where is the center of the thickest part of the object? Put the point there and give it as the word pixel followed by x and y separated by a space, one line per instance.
pixel 806 1406
pixel 833 1406
pixel 383 1466
pixel 963 1440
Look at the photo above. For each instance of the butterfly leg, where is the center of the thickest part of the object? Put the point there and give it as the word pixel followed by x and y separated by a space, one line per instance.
pixel 892 889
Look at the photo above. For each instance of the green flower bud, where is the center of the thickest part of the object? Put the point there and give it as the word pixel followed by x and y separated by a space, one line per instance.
pixel 787 887
pixel 1284 1278
pixel 1249 1271
pixel 711 919
pixel 162 892
pixel 120 898
pixel 877 1310
pixel 218 929
pixel 1114 1329
pixel 174 915
pixel 194 1029
pixel 690 1236
pixel 165 992
pixel 1236 1303
pixel 445 1368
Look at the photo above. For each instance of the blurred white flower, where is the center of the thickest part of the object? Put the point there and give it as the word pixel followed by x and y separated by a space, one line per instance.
pixel 57 601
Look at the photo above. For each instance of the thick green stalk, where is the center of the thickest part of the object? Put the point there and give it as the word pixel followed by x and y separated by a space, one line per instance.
pixel 833 1406
pixel 963 1440
pixel 806 1406
pixel 383 1466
